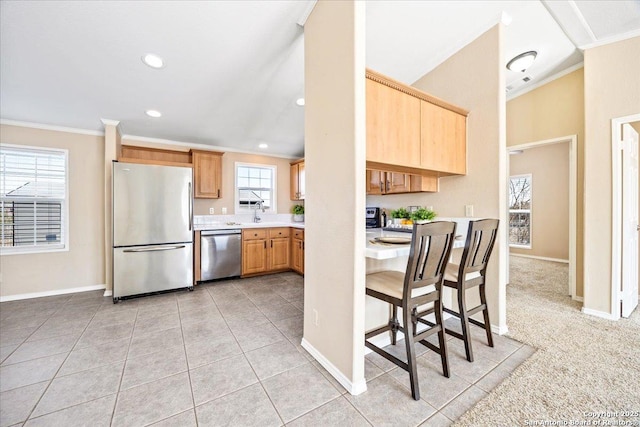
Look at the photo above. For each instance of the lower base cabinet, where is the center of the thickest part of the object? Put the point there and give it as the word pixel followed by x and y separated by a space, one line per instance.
pixel 269 250
pixel 297 251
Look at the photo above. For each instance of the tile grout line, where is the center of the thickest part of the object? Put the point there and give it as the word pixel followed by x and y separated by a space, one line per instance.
pixel 124 366
pixel 59 367
pixel 186 358
pixel 264 390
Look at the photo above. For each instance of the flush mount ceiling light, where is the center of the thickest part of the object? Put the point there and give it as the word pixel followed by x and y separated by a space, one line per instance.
pixel 522 61
pixel 263 146
pixel 300 102
pixel 153 113
pixel 153 60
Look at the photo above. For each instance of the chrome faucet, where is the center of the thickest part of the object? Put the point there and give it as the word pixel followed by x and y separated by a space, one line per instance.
pixel 259 205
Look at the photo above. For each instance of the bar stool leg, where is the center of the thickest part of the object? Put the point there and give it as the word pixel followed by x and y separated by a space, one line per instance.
pixel 485 314
pixel 394 324
pixel 464 320
pixel 411 353
pixel 442 340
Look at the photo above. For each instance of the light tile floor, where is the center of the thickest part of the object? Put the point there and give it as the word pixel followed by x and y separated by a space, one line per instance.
pixel 227 353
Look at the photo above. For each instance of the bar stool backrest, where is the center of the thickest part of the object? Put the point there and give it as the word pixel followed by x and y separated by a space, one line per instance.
pixel 478 247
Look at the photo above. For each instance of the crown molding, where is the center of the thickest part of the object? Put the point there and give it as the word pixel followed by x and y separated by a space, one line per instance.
pixel 190 145
pixel 307 11
pixel 613 39
pixel 51 127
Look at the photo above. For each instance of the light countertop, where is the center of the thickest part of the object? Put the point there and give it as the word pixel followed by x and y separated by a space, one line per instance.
pixel 389 251
pixel 239 225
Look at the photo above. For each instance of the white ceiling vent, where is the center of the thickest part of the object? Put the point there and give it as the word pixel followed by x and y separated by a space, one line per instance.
pixel 517 84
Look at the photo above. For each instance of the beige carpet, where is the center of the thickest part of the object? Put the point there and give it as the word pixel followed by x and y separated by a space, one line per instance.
pixel 583 363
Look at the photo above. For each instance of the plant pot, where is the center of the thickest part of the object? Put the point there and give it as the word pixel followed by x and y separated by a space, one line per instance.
pixel 397 221
pixel 298 218
pixel 422 221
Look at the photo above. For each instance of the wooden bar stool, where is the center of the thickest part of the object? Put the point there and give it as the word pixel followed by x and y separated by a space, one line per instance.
pixel 420 284
pixel 468 272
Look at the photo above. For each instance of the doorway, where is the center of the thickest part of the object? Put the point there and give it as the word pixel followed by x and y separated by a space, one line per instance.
pixel 570 232
pixel 625 250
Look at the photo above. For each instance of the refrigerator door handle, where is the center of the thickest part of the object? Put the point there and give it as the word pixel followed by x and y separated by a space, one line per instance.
pixel 155 248
pixel 190 209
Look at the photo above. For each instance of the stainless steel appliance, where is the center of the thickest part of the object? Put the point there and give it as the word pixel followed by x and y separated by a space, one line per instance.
pixel 220 254
pixel 152 229
pixel 373 218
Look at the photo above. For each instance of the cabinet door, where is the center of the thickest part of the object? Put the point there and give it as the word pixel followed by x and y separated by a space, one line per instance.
pixel 207 169
pixel 297 255
pixel 393 126
pixel 254 256
pixel 397 182
pixel 375 182
pixel 279 254
pixel 297 181
pixel 444 139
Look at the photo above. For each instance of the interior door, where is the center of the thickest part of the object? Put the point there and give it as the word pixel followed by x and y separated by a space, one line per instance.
pixel 629 220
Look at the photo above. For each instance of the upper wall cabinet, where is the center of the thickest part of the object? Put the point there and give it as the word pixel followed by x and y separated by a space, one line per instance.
pixel 297 180
pixel 411 131
pixel 207 173
pixel 443 139
pixel 393 126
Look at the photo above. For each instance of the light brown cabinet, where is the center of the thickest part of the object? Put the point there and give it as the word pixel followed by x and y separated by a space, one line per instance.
pixel 207 172
pixel 379 183
pixel 254 251
pixel 412 132
pixel 443 139
pixel 297 251
pixel 278 251
pixel 393 125
pixel 297 184
pixel 265 250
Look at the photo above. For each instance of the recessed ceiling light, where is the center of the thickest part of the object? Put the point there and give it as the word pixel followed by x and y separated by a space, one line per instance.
pixel 523 61
pixel 300 102
pixel 153 60
pixel 153 113
pixel 263 145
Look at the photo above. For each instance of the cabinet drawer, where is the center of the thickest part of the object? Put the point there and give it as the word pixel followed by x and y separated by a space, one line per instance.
pixel 298 233
pixel 278 232
pixel 254 233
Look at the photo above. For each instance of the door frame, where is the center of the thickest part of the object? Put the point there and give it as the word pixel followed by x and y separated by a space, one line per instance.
pixel 573 195
pixel 616 210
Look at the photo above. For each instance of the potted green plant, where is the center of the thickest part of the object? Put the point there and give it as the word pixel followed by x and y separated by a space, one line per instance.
pixel 399 215
pixel 422 215
pixel 298 213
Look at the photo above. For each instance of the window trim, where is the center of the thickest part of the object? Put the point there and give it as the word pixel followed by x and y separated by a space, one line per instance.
pixel 236 202
pixel 64 246
pixel 529 211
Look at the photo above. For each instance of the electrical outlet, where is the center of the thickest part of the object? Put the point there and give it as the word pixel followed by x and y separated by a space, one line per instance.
pixel 224 211
pixel 468 211
pixel 212 211
pixel 315 317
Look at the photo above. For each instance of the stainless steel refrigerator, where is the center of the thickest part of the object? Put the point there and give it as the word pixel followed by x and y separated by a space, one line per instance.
pixel 152 229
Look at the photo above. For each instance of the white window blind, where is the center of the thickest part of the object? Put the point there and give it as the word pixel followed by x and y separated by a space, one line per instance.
pixel 33 199
pixel 253 184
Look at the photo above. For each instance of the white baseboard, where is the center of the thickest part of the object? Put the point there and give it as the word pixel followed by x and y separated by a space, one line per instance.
pixel 601 314
pixel 500 330
pixel 353 388
pixel 108 293
pixel 564 261
pixel 51 293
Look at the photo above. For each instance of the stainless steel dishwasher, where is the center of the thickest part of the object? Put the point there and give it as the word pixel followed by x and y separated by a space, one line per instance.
pixel 220 254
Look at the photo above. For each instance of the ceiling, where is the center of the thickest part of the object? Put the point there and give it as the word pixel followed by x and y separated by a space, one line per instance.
pixel 234 69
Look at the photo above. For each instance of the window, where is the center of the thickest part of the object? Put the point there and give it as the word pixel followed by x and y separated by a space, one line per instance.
pixel 255 184
pixel 33 199
pixel 520 211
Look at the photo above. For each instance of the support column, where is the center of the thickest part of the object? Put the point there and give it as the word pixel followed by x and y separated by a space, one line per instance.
pixel 335 145
pixel 112 147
